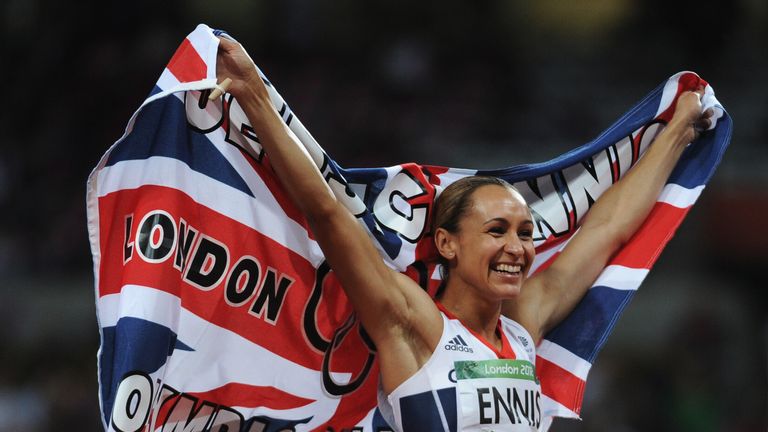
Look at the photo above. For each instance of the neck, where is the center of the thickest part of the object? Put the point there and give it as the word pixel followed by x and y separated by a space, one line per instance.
pixel 477 313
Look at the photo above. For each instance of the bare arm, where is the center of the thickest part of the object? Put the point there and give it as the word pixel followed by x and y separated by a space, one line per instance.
pixel 387 303
pixel 551 295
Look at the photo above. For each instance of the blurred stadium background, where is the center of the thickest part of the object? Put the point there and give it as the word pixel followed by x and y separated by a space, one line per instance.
pixel 466 84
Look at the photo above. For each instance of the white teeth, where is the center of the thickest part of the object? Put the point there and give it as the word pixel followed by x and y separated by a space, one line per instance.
pixel 507 268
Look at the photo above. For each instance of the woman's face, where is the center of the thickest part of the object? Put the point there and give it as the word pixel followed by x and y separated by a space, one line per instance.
pixel 495 243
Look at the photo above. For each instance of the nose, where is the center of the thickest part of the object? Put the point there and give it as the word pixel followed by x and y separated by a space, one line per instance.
pixel 513 246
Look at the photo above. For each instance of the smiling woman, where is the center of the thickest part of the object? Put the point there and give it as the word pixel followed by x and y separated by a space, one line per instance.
pixel 489 312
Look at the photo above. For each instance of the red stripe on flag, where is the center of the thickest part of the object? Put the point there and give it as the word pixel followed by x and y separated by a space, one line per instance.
pixel 646 245
pixel 229 395
pixel 686 82
pixel 186 64
pixel 554 242
pixel 560 385
pixel 209 303
pixel 550 243
pixel 545 265
pixel 433 173
pixel 248 396
pixel 264 169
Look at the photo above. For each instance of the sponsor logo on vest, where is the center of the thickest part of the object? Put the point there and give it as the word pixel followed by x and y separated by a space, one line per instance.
pixel 523 341
pixel 458 344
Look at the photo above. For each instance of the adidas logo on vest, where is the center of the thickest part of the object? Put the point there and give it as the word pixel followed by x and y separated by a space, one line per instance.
pixel 458 344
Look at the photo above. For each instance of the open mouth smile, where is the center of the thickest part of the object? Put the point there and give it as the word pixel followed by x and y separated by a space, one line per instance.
pixel 507 269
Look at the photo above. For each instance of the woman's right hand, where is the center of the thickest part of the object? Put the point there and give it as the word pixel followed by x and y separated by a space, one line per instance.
pixel 234 62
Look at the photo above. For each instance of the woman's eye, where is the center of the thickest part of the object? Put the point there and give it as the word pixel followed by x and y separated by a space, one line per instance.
pixel 525 234
pixel 497 230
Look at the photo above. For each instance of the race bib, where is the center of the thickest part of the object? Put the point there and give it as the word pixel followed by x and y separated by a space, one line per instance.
pixel 498 395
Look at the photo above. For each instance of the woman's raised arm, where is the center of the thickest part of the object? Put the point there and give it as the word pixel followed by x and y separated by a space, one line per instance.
pixel 386 302
pixel 551 295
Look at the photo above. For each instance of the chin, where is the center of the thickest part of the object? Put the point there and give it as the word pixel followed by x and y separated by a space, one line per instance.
pixel 509 292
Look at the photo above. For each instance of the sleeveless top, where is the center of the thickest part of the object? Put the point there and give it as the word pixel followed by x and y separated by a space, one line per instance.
pixel 468 385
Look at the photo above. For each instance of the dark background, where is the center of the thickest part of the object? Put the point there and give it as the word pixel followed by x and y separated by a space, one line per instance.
pixel 465 84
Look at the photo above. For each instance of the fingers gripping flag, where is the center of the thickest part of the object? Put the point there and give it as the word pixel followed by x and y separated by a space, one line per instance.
pixel 216 308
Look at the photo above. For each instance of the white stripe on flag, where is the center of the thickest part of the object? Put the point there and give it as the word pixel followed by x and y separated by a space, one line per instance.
pixel 621 278
pixel 679 196
pixel 167 80
pixel 452 175
pixel 567 360
pixel 668 94
pixel 162 307
pixel 230 202
pixel 552 408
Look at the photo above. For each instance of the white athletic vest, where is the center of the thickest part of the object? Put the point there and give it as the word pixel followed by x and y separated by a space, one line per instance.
pixel 468 386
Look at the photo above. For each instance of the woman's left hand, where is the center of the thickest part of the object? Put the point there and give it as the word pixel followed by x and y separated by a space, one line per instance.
pixel 689 116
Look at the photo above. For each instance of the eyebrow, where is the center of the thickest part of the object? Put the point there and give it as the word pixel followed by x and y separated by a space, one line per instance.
pixel 500 219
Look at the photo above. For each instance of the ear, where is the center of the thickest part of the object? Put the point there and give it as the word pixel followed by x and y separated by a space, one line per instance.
pixel 446 243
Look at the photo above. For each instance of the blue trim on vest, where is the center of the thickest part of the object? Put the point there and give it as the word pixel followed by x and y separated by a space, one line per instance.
pixel 419 412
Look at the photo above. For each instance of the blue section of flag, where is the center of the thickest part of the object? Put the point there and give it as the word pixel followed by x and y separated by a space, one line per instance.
pixel 698 163
pixel 155 90
pixel 584 331
pixel 133 344
pixel 161 129
pixel 374 180
pixel 378 423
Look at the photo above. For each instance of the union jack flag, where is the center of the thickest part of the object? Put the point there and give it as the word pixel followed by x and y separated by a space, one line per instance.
pixel 216 308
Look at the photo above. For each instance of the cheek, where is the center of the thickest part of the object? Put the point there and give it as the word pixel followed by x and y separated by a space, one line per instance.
pixel 477 245
pixel 530 252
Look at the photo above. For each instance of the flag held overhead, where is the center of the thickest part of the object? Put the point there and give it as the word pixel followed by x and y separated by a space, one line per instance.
pixel 216 306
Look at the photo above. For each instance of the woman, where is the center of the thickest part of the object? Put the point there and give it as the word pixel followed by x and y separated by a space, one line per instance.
pixel 465 361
